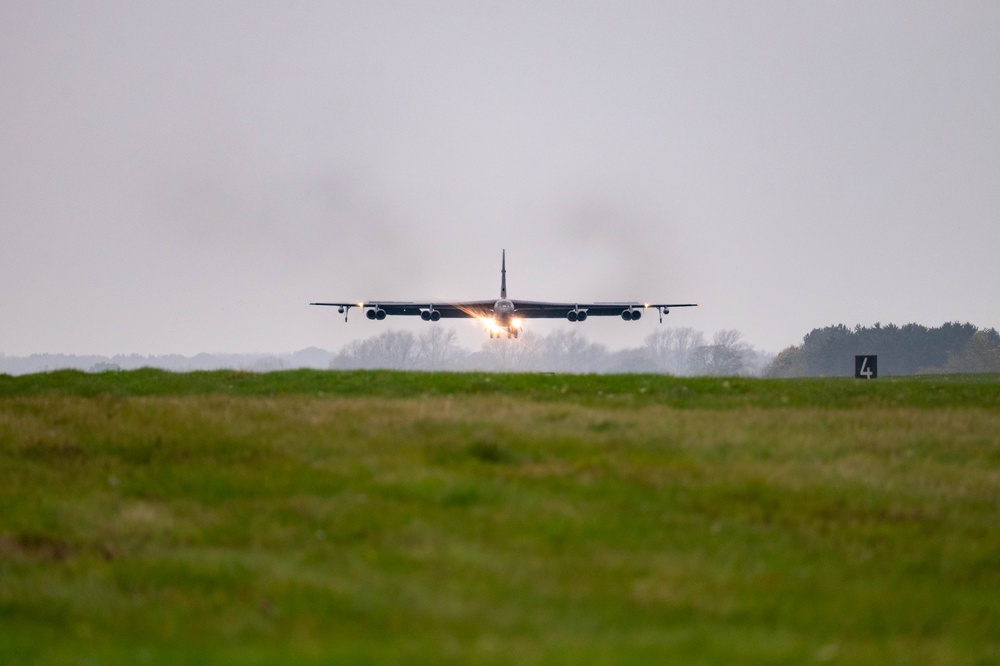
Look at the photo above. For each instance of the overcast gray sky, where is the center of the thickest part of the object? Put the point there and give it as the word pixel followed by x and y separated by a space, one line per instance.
pixel 186 176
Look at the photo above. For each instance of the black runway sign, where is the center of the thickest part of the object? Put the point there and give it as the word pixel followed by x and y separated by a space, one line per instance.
pixel 866 367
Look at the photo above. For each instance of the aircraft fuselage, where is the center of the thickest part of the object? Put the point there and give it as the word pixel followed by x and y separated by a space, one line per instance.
pixel 503 318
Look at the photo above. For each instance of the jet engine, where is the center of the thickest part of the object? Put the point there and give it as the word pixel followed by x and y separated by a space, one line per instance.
pixel 430 315
pixel 577 315
pixel 631 314
pixel 375 313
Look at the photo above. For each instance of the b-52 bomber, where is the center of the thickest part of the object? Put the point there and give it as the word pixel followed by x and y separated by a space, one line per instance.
pixel 504 316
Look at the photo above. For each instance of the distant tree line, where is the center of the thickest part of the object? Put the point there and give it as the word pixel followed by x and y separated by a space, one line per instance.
pixel 902 350
pixel 311 357
pixel 830 351
pixel 678 351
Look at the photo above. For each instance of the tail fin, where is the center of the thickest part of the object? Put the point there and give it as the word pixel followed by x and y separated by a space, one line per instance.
pixel 503 275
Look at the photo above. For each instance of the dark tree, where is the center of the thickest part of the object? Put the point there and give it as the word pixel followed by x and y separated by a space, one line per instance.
pixel 902 350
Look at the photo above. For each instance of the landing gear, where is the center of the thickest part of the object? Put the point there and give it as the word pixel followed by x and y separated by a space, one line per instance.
pixel 499 334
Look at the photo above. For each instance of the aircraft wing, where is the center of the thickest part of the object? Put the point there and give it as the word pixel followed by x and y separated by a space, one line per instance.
pixel 456 310
pixel 547 310
pixel 525 309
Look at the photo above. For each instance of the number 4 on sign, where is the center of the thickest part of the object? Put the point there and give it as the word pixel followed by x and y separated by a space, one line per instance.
pixel 866 367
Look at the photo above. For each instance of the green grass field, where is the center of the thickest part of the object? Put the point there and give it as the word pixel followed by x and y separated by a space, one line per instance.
pixel 408 518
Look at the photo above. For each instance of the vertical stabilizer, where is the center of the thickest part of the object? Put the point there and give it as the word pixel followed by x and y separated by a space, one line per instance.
pixel 503 275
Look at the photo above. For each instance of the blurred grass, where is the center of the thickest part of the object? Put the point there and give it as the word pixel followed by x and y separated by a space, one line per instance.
pixel 312 517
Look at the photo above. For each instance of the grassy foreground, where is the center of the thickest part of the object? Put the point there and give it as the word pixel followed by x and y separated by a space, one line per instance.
pixel 377 517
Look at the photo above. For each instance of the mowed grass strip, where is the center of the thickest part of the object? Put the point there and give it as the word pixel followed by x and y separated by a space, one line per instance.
pixel 204 527
pixel 629 391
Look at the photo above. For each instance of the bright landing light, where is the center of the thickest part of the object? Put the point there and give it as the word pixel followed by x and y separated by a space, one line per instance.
pixel 490 325
pixel 516 322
